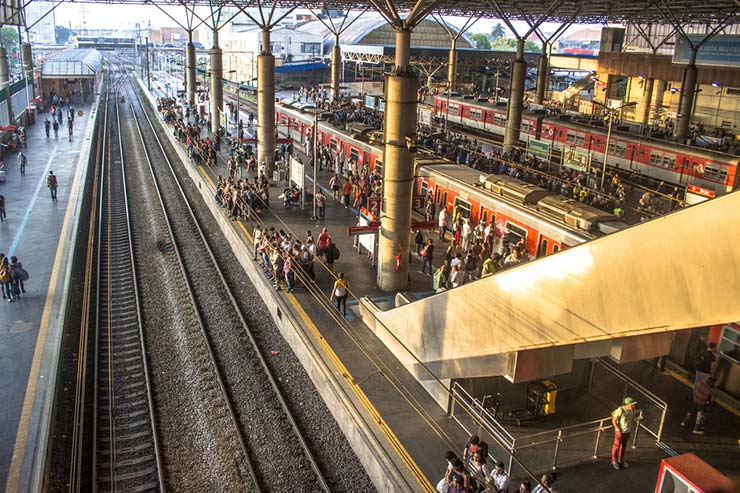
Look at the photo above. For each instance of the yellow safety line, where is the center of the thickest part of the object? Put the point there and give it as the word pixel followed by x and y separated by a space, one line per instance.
pixel 341 369
pixel 21 436
pixel 719 402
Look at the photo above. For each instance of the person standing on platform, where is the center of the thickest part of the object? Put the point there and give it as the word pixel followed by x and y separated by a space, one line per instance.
pixel 70 128
pixel 702 396
pixel 6 279
pixel 321 204
pixel 346 191
pixel 444 223
pixel 52 184
pixel 2 208
pixel 19 275
pixel 623 419
pixel 339 293
pixel 335 186
pixel 60 115
pixel 47 126
pixel 55 125
pixel 427 255
pixel 22 161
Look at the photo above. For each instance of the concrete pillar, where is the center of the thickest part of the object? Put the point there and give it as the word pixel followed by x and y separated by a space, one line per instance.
pixel 190 73
pixel 647 97
pixel 398 170
pixel 543 70
pixel 5 83
pixel 452 65
pixel 659 94
pixel 266 106
pixel 336 60
pixel 27 62
pixel 686 103
pixel 516 98
pixel 217 83
pixel 483 84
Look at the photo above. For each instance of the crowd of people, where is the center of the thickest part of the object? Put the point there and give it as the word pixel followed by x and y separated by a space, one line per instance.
pixel 472 473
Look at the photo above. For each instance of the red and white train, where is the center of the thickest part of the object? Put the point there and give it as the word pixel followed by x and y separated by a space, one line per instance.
pixel 547 223
pixel 662 160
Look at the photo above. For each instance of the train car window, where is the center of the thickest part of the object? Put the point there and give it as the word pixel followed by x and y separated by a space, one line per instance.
pixel 656 159
pixel 438 196
pixel 333 144
pixel 516 234
pixel 669 162
pixel 542 250
pixel 454 109
pixel 527 127
pixel 463 207
pixel 423 187
pixel 283 119
pixel 483 215
pixel 379 167
pixel 354 155
pixel 729 343
pixel 475 114
pixel 715 172
pixel 555 248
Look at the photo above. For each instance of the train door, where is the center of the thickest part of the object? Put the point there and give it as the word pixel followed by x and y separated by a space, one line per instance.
pixel 441 198
pixel 464 209
pixel 516 234
pixel 542 246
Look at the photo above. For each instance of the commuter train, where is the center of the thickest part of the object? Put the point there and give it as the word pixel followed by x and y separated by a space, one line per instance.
pixel 662 160
pixel 547 223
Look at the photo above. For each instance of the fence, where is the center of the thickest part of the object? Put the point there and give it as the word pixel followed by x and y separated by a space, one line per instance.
pixel 19 99
pixel 550 449
pixel 611 386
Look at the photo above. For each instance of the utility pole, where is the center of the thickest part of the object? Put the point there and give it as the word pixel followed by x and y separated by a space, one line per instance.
pixel 148 75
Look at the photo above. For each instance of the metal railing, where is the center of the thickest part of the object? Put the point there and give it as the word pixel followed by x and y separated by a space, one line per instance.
pixel 609 384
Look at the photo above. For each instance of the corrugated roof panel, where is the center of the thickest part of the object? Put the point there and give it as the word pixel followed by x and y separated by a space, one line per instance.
pixel 73 63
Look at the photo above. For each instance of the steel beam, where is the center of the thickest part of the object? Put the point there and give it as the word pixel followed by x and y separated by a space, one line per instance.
pixel 336 66
pixel 190 73
pixel 266 107
pixel 398 170
pixel 217 83
pixel 5 83
pixel 647 97
pixel 516 98
pixel 686 103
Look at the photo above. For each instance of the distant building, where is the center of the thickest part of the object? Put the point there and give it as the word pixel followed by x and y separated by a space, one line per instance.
pixel 582 42
pixel 175 36
pixel 44 31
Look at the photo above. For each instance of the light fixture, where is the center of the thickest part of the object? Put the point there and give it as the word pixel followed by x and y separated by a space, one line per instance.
pixel 716 84
pixel 674 90
pixel 641 77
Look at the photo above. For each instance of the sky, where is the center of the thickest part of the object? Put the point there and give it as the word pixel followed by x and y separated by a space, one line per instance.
pixel 125 17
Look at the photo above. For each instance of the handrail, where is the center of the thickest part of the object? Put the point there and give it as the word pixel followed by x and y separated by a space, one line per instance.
pixel 476 410
pixel 560 437
pixel 556 430
pixel 627 379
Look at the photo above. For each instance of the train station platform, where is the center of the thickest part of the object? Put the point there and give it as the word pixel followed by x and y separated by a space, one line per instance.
pixel 402 408
pixel 41 233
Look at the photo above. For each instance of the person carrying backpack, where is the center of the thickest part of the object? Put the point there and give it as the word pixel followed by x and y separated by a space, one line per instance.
pixel 55 125
pixel 51 183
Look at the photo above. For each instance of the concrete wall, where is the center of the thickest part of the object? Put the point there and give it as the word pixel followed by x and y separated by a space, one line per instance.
pixel 384 466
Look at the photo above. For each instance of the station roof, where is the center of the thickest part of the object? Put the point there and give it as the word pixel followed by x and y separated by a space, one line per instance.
pixel 72 64
pixel 582 11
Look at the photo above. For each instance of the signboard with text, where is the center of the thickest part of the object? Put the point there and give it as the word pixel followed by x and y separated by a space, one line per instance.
pixel 721 51
pixel 575 159
pixel 540 150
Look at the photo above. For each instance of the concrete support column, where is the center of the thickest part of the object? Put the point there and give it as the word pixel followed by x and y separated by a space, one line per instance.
pixel 516 98
pixel 217 83
pixel 647 97
pixel 543 70
pixel 336 66
pixel 686 103
pixel 452 65
pixel 27 62
pixel 398 170
pixel 5 83
pixel 266 106
pixel 190 74
pixel 659 94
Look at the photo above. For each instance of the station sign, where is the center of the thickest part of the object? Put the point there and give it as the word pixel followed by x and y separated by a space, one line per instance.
pixel 417 202
pixel 373 205
pixel 540 150
pixel 721 51
pixel 374 227
pixel 575 159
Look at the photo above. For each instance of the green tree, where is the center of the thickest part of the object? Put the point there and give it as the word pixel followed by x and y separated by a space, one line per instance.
pixel 481 41
pixel 509 44
pixel 62 34
pixel 498 31
pixel 10 39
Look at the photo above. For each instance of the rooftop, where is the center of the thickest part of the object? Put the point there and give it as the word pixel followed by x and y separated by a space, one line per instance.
pixel 72 63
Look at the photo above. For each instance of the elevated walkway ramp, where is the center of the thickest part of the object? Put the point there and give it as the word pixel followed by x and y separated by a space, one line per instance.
pixel 622 296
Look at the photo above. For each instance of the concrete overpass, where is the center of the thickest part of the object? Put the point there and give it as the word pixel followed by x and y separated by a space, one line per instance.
pixel 622 296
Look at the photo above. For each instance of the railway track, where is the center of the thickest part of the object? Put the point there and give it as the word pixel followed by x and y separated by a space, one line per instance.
pixel 264 424
pixel 126 452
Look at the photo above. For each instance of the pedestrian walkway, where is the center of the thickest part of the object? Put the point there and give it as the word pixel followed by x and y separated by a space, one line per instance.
pixel 38 231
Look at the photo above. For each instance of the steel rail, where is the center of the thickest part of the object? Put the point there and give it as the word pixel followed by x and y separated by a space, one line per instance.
pixel 192 298
pixel 227 289
pixel 120 265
